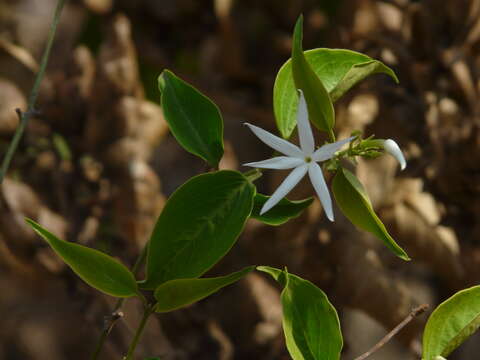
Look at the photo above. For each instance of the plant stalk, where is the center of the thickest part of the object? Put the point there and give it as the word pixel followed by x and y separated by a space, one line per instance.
pixel 24 117
pixel 138 334
pixel 116 313
pixel 331 135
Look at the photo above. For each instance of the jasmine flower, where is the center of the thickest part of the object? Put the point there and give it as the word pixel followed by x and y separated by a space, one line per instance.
pixel 301 159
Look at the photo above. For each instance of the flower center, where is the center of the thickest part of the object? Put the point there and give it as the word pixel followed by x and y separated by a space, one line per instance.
pixel 308 159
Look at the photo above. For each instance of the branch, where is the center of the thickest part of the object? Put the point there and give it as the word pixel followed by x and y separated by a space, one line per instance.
pixel 413 314
pixel 117 314
pixel 25 116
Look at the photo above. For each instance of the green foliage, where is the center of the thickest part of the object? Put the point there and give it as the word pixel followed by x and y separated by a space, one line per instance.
pixel 357 72
pixel 354 202
pixel 280 213
pixel 310 322
pixel 194 119
pixel 96 268
pixel 452 322
pixel 338 69
pixel 175 294
pixel 320 107
pixel 198 225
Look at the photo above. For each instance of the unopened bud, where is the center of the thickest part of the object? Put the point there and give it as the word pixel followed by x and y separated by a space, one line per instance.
pixel 393 149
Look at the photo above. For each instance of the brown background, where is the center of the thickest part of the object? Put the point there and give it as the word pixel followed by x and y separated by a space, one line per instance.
pixel 97 162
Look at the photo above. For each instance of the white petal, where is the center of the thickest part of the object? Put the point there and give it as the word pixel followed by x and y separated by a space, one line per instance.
pixel 327 151
pixel 392 148
pixel 279 162
pixel 288 184
pixel 276 143
pixel 307 143
pixel 318 182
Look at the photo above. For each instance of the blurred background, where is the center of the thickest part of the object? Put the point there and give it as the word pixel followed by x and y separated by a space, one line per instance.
pixel 97 163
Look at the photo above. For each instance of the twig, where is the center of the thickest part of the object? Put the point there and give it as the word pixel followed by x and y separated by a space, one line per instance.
pixel 109 323
pixel 413 314
pixel 111 320
pixel 147 312
pixel 25 116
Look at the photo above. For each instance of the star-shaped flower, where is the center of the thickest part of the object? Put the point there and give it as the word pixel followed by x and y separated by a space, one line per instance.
pixel 301 160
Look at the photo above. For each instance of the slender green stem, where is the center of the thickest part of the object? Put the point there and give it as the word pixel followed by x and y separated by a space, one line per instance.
pixel 109 322
pixel 25 116
pixel 253 175
pixel 138 334
pixel 331 135
pixel 99 346
pixel 372 143
pixel 117 314
pixel 135 269
pixel 140 260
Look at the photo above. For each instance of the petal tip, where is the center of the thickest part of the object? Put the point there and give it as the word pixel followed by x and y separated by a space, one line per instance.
pixel 264 210
pixel 393 149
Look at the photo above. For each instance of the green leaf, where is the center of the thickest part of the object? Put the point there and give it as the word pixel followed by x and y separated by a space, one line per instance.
pixel 198 225
pixel 280 213
pixel 355 204
pixel 97 269
pixel 194 119
pixel 277 274
pixel 452 322
pixel 310 322
pixel 320 107
pixel 175 294
pixel 338 69
pixel 358 72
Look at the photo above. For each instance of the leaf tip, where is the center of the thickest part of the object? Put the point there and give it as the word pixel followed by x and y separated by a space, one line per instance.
pixel 33 224
pixel 298 33
pixel 299 20
pixel 395 77
pixel 405 257
pixel 161 81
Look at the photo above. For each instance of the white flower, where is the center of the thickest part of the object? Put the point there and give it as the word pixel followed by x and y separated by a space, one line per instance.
pixel 393 149
pixel 301 160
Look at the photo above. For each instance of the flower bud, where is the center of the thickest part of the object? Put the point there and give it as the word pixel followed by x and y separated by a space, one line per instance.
pixel 392 148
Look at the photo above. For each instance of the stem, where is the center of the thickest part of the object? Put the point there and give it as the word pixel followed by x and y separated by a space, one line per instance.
pixel 148 311
pixel 117 314
pixel 331 135
pixel 253 175
pixel 99 346
pixel 25 116
pixel 372 143
pixel 140 260
pixel 414 313
pixel 109 322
